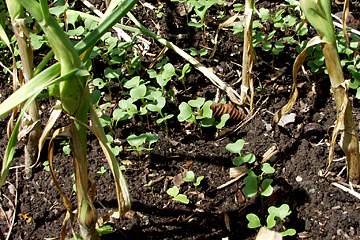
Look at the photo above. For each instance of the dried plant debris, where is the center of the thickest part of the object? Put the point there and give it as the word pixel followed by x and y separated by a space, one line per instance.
pixel 236 114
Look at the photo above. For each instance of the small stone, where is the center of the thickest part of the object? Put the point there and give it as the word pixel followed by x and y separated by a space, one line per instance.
pixel 298 179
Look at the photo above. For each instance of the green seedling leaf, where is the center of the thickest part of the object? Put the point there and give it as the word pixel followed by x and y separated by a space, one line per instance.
pixel 169 71
pixel 132 83
pixel 223 121
pixel 98 82
pixel 190 176
pixel 267 168
pixel 267 46
pixel 102 170
pixel 280 212
pixel 250 188
pixel 120 115
pixel 238 28
pixel 151 138
pixel 112 73
pixel 77 32
pixel 197 103
pixel 158 105
pixel 181 198
pixel 107 229
pixel 206 122
pixel 138 92
pixel 203 52
pixel 152 73
pixel 173 191
pixel 160 120
pixel 235 147
pixel 289 232
pixel 264 14
pixel 185 112
pixel 250 158
pixel 270 220
pixel 185 69
pixel 206 111
pixel 267 188
pixel 105 120
pixel 46 166
pixel 67 149
pixel 198 181
pixel 136 141
pixel 254 221
pixel 193 51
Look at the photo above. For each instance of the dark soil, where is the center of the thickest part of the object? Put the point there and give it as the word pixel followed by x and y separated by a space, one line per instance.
pixel 319 210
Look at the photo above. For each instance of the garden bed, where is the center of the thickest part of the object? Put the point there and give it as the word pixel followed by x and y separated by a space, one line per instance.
pixel 319 209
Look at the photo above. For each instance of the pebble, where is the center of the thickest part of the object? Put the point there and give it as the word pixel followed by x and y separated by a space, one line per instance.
pixel 298 179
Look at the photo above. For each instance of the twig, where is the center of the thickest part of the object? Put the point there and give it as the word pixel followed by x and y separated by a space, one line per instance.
pixel 230 182
pixel 352 192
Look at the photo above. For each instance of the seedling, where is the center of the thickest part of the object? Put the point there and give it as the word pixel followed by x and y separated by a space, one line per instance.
pixel 202 116
pixel 200 8
pixel 190 177
pixel 157 11
pixel 174 193
pixel 102 171
pixel 195 53
pixel 46 166
pixel 156 106
pixel 274 214
pixel 66 147
pixel 236 148
pixel 136 142
pixel 253 182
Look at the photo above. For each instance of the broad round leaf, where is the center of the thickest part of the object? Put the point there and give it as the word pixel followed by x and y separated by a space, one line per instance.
pixel 136 141
pixel 254 221
pixel 235 147
pixel 173 191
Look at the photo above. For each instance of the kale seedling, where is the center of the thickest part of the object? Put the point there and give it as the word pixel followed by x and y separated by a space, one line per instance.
pixel 190 177
pixel 102 171
pixel 174 193
pixel 136 142
pixel 202 116
pixel 236 148
pixel 274 214
pixel 157 104
pixel 253 182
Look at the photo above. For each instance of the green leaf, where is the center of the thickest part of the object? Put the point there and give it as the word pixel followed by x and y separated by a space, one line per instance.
pixel 289 232
pixel 235 147
pixel 197 103
pixel 173 191
pixel 206 110
pixel 264 14
pixel 185 112
pixel 267 46
pixel 270 220
pixel 112 73
pixel 158 105
pixel 267 188
pixel 151 138
pixel 250 188
pixel 132 83
pixel 249 158
pixel 223 120
pixel 190 176
pixel 138 92
pixel 98 82
pixel 254 221
pixel 181 198
pixel 198 181
pixel 135 140
pixel 267 168
pixel 280 212
pixel 67 149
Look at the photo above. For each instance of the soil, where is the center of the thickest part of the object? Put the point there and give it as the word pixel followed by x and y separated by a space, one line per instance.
pixel 319 209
